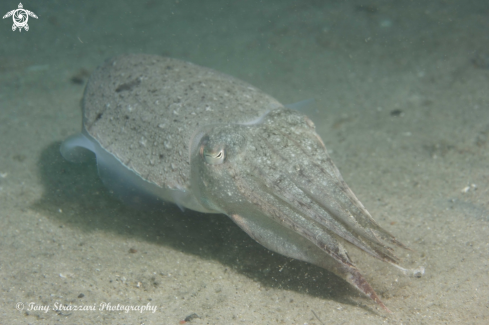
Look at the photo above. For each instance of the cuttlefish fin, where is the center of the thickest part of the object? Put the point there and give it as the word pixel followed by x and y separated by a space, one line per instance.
pixel 299 106
pixel 123 182
pixel 307 108
pixel 77 148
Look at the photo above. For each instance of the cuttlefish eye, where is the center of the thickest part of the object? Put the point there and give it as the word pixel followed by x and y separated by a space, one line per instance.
pixel 213 156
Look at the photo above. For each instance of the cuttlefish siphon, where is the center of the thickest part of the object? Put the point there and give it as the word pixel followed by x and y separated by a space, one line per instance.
pixel 211 143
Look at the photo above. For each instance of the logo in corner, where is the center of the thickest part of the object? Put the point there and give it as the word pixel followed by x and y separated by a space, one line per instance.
pixel 20 17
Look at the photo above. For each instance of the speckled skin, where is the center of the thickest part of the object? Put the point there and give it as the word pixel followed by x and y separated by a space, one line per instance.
pixel 209 142
pixel 145 109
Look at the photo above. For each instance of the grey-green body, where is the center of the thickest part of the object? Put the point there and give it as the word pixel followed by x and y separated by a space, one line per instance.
pixel 211 143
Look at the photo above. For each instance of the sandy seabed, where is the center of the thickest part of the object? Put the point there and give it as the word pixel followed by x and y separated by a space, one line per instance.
pixel 402 104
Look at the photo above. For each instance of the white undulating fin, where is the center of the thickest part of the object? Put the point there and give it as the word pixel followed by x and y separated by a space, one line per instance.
pixel 306 107
pixel 124 182
pixel 299 106
pixel 77 148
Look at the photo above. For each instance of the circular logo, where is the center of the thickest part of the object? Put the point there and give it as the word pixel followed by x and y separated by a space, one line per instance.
pixel 19 306
pixel 20 17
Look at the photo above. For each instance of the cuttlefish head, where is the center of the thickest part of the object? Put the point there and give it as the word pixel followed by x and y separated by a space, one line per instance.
pixel 274 178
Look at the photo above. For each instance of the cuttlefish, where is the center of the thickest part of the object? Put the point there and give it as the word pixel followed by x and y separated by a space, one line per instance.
pixel 212 143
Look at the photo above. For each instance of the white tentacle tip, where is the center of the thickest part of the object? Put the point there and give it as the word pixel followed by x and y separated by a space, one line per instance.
pixel 417 272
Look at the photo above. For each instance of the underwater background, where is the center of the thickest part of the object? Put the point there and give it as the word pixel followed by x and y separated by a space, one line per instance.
pixel 401 103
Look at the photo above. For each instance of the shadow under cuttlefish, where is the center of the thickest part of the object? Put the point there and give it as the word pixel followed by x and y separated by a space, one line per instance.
pixel 87 205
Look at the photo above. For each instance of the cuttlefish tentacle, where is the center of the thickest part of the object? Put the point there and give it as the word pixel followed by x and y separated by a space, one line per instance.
pixel 340 212
pixel 305 205
pixel 321 237
pixel 362 216
pixel 362 220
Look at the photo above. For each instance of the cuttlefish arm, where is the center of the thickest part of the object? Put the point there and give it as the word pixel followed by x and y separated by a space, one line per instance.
pixel 277 182
pixel 288 243
pixel 301 233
